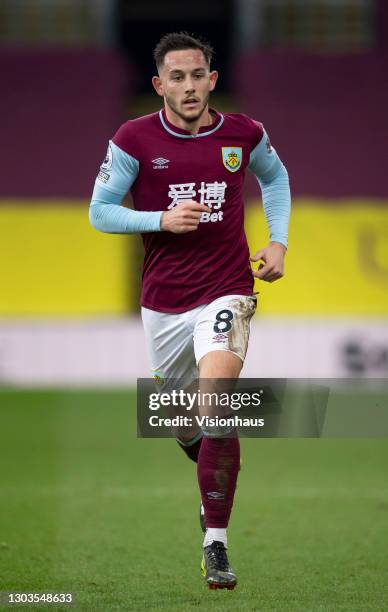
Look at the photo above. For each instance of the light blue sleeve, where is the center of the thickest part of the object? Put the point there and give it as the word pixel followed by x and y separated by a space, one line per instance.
pixel 117 174
pixel 272 176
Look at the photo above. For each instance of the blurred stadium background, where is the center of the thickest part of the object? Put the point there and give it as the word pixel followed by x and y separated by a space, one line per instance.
pixel 315 73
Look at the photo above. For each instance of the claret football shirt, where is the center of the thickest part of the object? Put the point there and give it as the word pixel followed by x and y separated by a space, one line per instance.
pixel 164 166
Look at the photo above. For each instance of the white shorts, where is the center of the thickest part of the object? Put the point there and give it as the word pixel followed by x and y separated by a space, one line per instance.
pixel 177 342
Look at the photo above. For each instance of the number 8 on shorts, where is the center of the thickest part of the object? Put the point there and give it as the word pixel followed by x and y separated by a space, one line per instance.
pixel 223 321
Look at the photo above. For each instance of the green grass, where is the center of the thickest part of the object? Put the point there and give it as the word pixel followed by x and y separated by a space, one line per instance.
pixel 87 507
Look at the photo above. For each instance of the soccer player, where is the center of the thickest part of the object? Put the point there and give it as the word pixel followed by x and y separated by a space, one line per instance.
pixel 185 167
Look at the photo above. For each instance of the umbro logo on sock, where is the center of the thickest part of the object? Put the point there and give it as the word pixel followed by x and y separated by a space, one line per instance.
pixel 215 495
pixel 160 163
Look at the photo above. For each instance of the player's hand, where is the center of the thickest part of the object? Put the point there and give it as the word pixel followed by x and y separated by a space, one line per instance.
pixel 272 262
pixel 183 218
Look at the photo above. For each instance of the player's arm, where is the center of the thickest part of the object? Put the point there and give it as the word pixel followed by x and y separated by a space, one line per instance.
pixel 272 176
pixel 117 175
pixel 106 213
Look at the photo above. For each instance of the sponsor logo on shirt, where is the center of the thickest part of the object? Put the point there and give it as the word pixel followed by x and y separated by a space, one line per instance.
pixel 210 194
pixel 232 158
pixel 160 163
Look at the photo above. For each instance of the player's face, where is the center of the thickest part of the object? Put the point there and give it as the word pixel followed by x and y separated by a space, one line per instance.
pixel 185 82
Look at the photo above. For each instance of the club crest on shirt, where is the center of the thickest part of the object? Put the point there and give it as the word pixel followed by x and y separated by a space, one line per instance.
pixel 232 158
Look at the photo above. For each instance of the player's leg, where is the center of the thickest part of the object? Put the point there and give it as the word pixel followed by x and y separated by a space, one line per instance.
pixel 218 466
pixel 220 339
pixel 219 458
pixel 169 342
pixel 191 446
pixel 190 439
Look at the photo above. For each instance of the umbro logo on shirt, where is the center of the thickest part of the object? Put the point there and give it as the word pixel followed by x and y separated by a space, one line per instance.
pixel 160 163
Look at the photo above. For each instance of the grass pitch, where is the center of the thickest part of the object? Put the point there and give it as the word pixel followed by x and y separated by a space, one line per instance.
pixel 88 508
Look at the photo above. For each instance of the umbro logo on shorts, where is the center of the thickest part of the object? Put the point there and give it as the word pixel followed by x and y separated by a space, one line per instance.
pixel 160 163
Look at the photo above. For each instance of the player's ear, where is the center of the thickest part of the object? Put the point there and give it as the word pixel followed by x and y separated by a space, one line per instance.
pixel 157 83
pixel 213 79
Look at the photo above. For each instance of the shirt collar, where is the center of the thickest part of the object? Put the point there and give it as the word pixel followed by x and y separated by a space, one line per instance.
pixel 205 130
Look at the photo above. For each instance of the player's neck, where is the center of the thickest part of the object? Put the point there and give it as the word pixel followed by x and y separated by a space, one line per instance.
pixel 191 126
